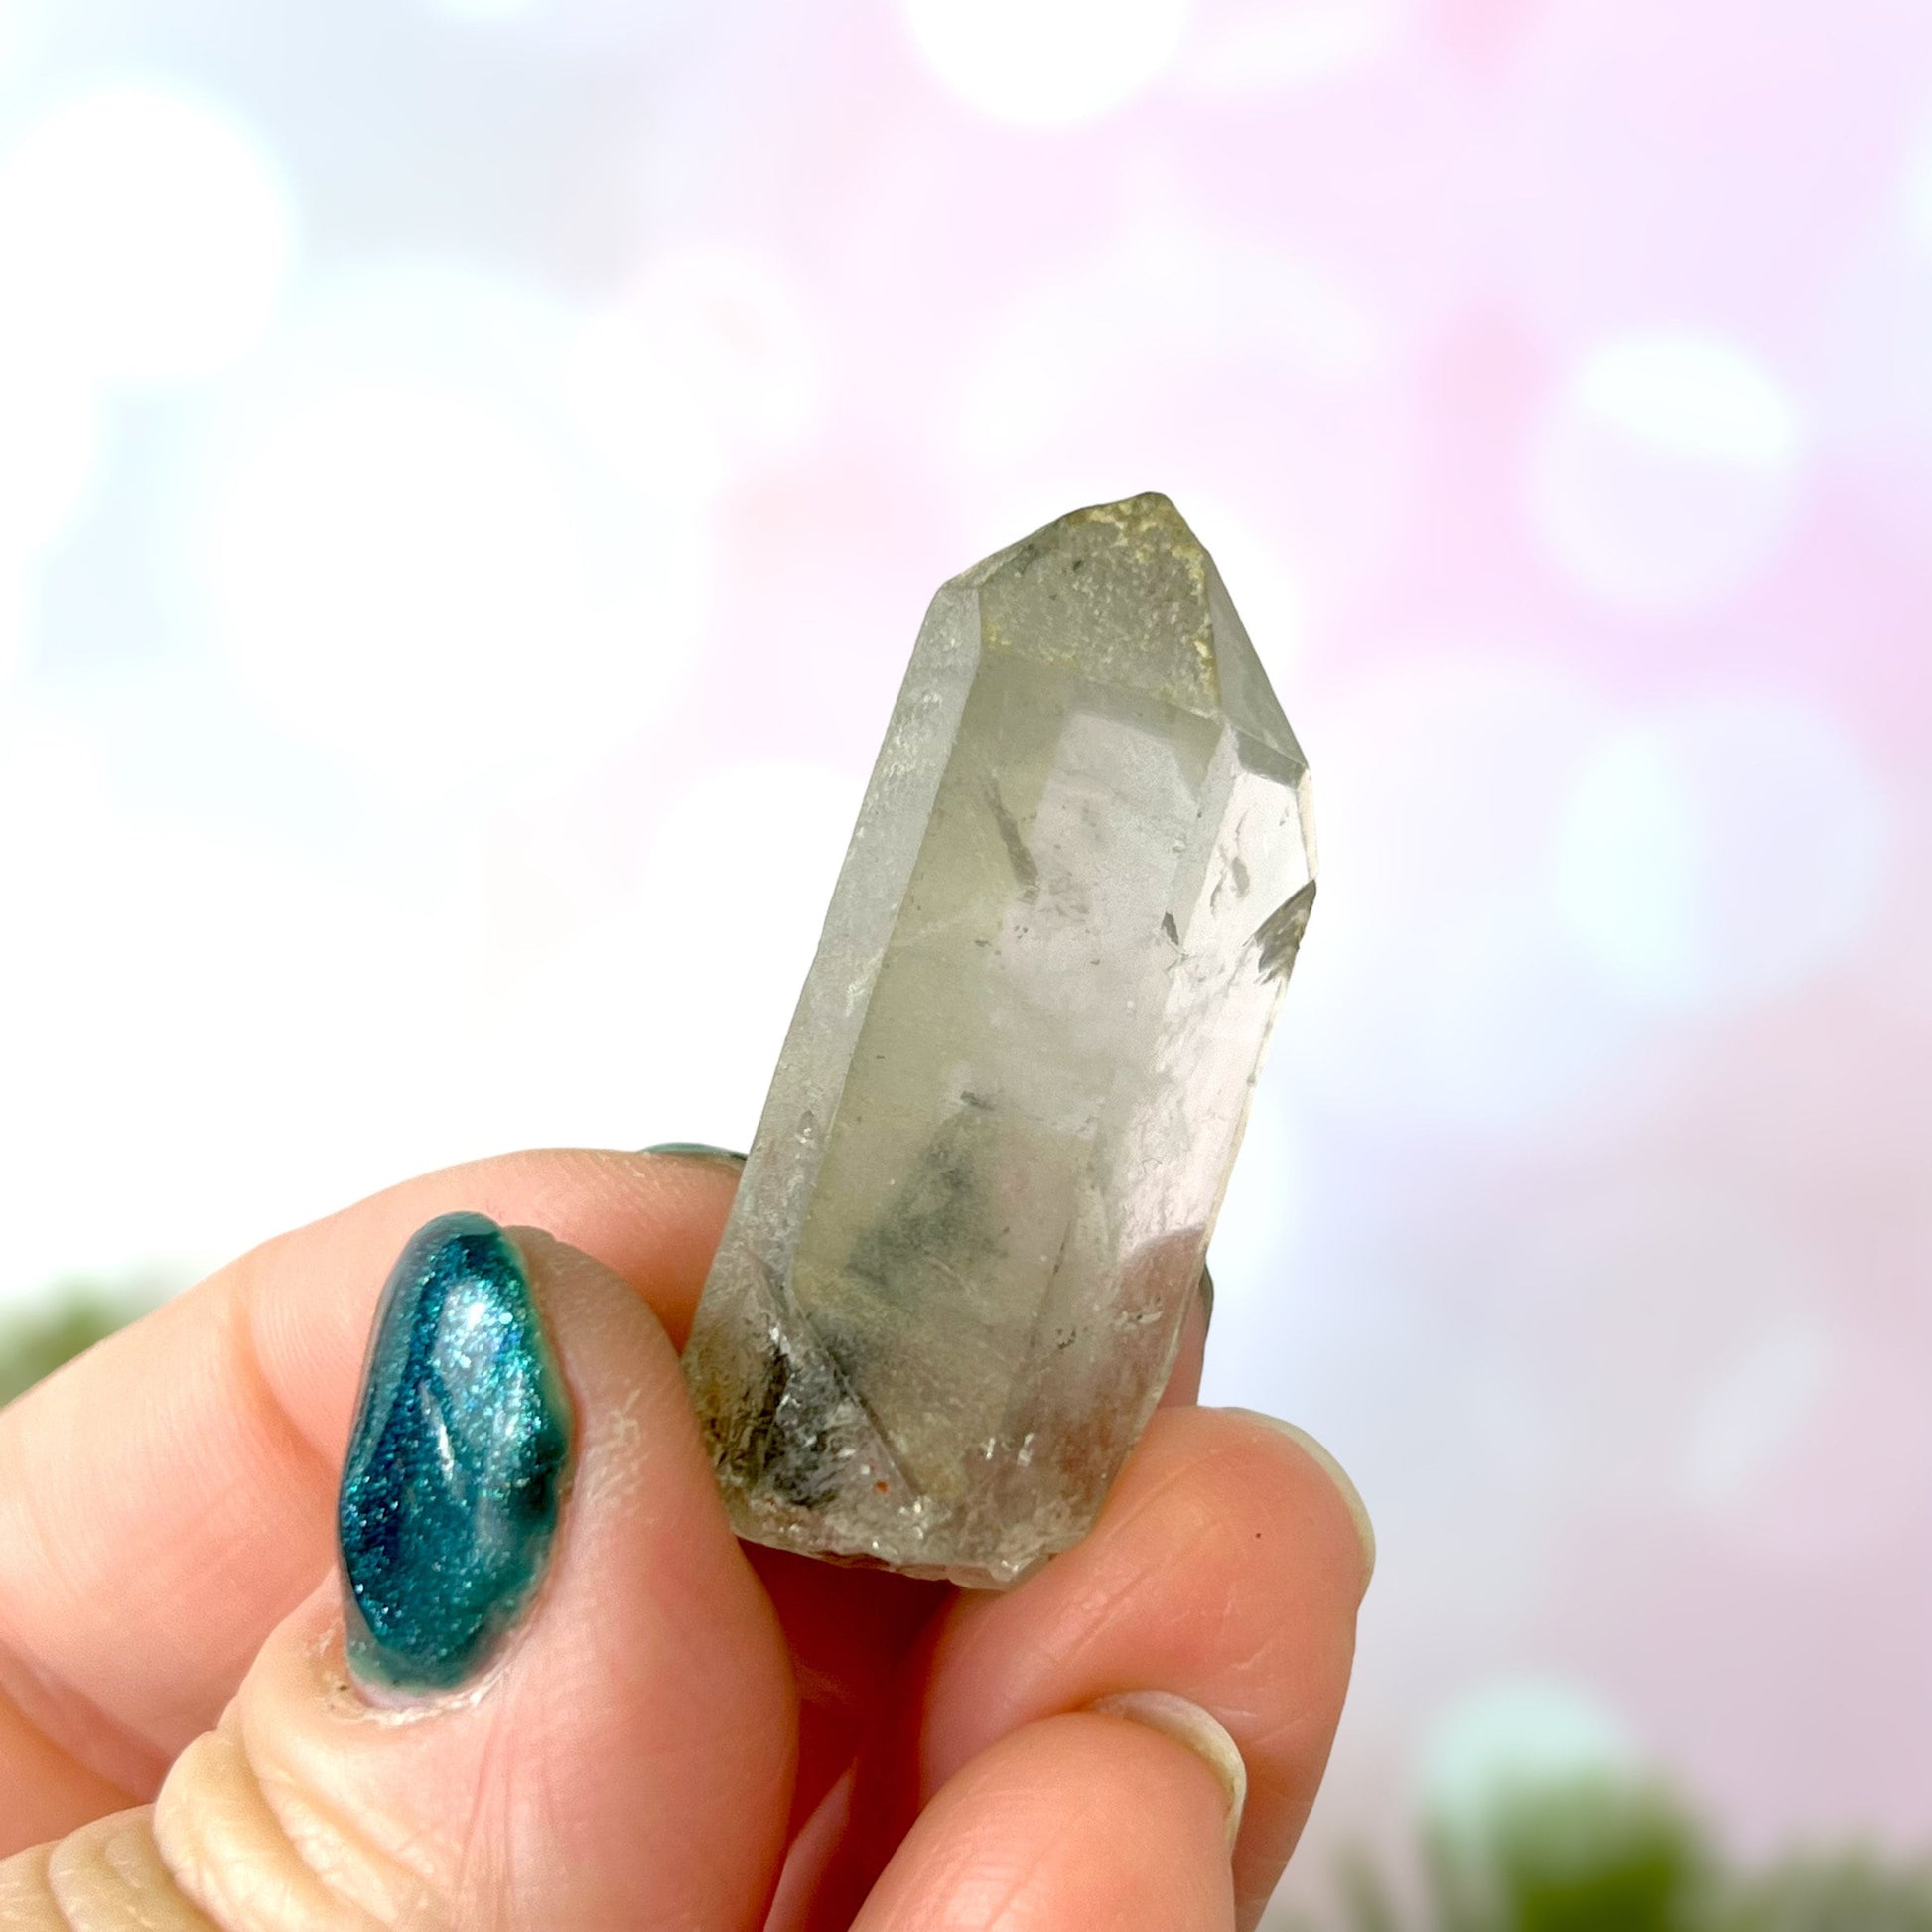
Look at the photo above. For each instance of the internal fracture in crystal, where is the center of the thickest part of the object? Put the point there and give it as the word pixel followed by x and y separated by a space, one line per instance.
pixel 979 1199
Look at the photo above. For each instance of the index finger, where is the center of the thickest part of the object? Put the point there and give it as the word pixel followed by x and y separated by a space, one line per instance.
pixel 167 1499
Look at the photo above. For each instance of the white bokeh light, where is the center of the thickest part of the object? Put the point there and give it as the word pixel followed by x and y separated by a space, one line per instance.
pixel 1666 469
pixel 1440 984
pixel 1916 192
pixel 49 449
pixel 1279 44
pixel 711 366
pixel 1048 62
pixel 376 521
pixel 413 561
pixel 22 23
pixel 192 1037
pixel 16 601
pixel 485 9
pixel 664 1023
pixel 1724 852
pixel 147 236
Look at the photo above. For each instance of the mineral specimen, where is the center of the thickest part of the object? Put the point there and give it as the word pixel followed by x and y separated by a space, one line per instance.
pixel 978 1198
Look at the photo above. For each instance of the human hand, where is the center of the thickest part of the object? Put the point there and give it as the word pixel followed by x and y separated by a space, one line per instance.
pixel 677 1730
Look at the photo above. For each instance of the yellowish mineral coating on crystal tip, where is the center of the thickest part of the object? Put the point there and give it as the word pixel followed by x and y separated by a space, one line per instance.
pixel 980 1195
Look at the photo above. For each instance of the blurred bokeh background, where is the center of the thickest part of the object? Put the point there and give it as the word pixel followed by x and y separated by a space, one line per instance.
pixel 469 476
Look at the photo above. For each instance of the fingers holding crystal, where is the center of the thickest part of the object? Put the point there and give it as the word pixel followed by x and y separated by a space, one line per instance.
pixel 1227 1568
pixel 561 1698
pixel 178 1479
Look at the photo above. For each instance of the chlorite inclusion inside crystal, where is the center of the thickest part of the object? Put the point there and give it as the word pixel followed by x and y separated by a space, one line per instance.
pixel 977 1202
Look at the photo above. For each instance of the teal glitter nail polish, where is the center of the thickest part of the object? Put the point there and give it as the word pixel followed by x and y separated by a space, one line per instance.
pixel 698 1151
pixel 455 1475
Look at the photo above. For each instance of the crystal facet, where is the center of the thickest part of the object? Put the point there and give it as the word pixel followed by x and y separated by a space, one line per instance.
pixel 978 1198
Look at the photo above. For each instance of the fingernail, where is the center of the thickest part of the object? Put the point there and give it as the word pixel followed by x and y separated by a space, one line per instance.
pixel 1206 1299
pixel 1350 1495
pixel 696 1151
pixel 456 1467
pixel 1200 1731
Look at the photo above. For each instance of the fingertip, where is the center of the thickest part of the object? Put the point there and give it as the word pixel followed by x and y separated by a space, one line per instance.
pixel 1081 1818
pixel 1339 1477
pixel 1195 1729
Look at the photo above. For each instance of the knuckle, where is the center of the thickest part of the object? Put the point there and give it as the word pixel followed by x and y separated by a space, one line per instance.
pixel 107 1876
pixel 256 1856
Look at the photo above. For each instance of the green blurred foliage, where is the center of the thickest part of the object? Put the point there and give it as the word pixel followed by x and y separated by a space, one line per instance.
pixel 1849 1891
pixel 35 1343
pixel 1618 1856
pixel 1597 1856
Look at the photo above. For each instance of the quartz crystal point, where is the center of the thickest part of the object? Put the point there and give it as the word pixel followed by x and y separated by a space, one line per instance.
pixel 976 1210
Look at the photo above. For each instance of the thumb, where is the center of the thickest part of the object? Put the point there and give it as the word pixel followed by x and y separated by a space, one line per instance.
pixel 546 1689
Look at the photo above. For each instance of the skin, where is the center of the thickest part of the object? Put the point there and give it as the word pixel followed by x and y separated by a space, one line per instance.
pixel 685 1732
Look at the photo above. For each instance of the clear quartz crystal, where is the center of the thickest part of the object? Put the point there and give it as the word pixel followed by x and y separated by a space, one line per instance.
pixel 977 1206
